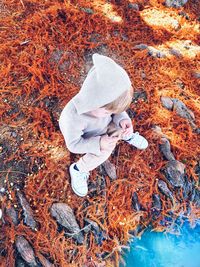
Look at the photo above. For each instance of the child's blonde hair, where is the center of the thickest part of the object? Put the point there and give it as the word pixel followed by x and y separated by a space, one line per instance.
pixel 121 103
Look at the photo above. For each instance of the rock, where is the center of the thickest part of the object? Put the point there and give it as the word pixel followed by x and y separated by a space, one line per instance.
pixel 175 3
pixel 167 102
pixel 25 250
pixel 27 212
pixel 162 186
pixel 175 53
pixel 139 93
pixel 195 197
pixel 156 205
pixel 158 131
pixel 133 6
pixel 56 56
pixel 155 52
pixel 141 46
pixel 19 262
pixel 165 148
pixel 183 14
pixel 182 110
pixel 187 187
pixel 98 234
pixel 197 130
pixel 44 261
pixel 135 203
pixel 174 173
pixel 196 75
pixel 1 214
pixel 110 169
pixel 65 216
pixel 87 10
pixel 13 215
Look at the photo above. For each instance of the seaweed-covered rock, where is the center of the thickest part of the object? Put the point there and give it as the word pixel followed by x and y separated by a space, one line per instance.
pixel 165 148
pixel 133 6
pixel 180 108
pixel 156 204
pixel 175 3
pixel 174 173
pixel 13 215
pixel 19 262
pixel 141 46
pixel 135 203
pixel 25 250
pixel 155 52
pixel 195 197
pixel 110 169
pixel 167 102
pixel 162 186
pixel 98 233
pixel 27 212
pixel 65 216
pixel 187 187
pixel 44 261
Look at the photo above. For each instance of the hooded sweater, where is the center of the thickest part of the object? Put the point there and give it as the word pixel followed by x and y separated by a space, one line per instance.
pixel 105 82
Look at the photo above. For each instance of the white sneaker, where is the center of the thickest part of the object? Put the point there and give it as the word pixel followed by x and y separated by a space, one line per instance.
pixel 137 140
pixel 79 181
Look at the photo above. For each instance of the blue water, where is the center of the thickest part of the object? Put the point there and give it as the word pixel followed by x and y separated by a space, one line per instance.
pixel 156 249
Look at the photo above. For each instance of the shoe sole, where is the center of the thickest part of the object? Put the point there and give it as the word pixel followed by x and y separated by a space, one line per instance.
pixel 72 166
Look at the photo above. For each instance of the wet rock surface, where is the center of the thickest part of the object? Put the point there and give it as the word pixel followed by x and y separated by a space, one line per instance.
pixel 175 3
pixel 180 108
pixel 27 212
pixel 174 173
pixel 12 214
pixel 162 186
pixel 135 202
pixel 165 148
pixel 26 251
pixel 99 234
pixel 156 205
pixel 65 217
pixel 110 169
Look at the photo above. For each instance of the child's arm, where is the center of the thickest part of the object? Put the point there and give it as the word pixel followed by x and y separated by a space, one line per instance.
pixel 72 130
pixel 118 117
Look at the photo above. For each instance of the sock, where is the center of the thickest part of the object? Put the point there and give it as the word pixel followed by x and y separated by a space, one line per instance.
pixel 75 167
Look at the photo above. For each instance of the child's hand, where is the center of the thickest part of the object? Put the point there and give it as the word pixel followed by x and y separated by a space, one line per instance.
pixel 126 126
pixel 108 142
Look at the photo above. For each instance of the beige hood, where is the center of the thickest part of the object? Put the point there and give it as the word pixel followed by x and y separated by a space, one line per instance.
pixel 105 81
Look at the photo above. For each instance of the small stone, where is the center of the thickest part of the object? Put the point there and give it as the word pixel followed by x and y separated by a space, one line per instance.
pixel 166 102
pixel 2 190
pixel 87 10
pixel 133 6
pixel 141 46
pixel 1 214
pixel 196 75
pixel 175 3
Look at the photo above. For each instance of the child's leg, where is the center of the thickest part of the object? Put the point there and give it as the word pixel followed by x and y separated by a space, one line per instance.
pixel 90 161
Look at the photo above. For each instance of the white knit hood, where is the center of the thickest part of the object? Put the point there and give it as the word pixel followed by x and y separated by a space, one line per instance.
pixel 105 82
